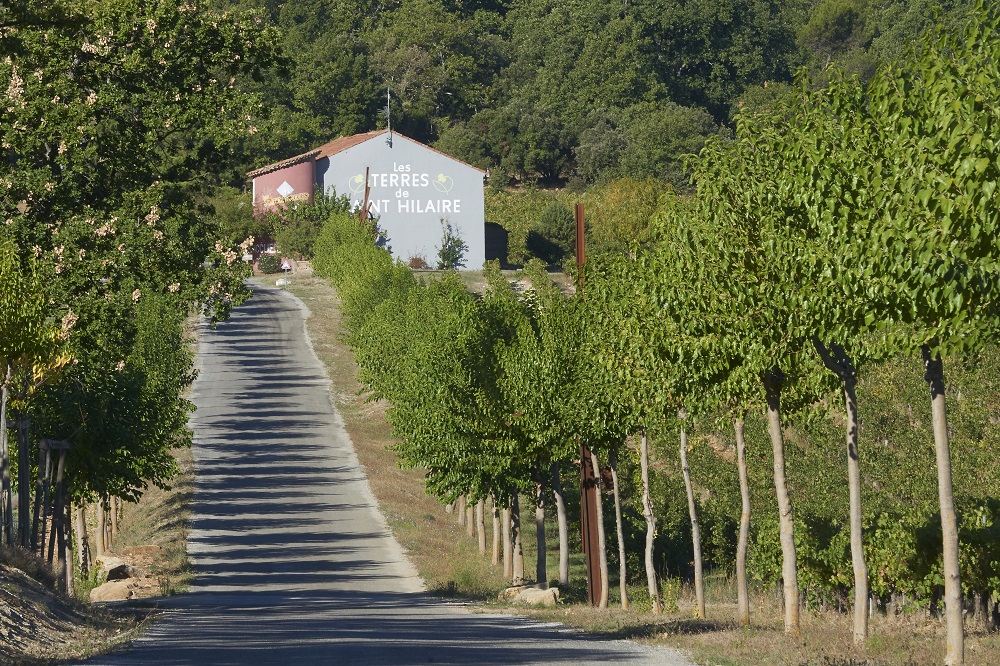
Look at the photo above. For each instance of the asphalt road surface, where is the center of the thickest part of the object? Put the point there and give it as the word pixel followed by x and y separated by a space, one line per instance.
pixel 294 563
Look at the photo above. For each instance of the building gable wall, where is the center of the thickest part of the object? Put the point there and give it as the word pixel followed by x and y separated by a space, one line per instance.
pixel 413 190
pixel 278 188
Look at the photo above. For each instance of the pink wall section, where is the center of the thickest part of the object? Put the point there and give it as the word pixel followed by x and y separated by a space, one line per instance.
pixel 300 177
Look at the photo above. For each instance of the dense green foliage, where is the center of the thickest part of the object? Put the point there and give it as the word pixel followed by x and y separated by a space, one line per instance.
pixel 584 92
pixel 116 116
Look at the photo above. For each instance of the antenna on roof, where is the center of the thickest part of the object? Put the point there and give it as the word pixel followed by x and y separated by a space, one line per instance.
pixel 387 112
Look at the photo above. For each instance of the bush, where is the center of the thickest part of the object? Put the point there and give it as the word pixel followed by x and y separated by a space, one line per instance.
pixel 554 237
pixel 451 254
pixel 296 228
pixel 269 263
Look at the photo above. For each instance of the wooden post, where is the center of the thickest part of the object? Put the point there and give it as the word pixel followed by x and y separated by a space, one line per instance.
pixel 23 483
pixel 58 517
pixel 43 464
pixel 49 464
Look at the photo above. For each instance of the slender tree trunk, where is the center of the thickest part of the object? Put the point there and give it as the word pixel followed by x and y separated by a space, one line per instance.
pixel 460 510
pixel 602 549
pixel 66 549
pixel 470 520
pixel 857 539
pixel 699 582
pixel 647 513
pixel 789 572
pixel 116 509
pixel 508 546
pixel 842 365
pixel 496 543
pixel 541 570
pixel 102 529
pixel 481 526
pixel 743 598
pixel 622 589
pixel 449 507
pixel 934 374
pixel 82 545
pixel 58 514
pixel 59 524
pixel 557 493
pixel 23 482
pixel 6 506
pixel 515 520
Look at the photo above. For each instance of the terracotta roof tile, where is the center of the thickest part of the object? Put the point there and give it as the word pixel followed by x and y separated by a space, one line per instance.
pixel 342 143
pixel 339 145
pixel 282 164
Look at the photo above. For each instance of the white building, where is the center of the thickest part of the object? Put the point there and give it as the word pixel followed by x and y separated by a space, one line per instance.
pixel 413 190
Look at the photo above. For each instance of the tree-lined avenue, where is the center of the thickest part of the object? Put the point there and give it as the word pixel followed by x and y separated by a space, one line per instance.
pixel 293 562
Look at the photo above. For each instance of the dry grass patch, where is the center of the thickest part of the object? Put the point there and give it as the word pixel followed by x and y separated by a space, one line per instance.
pixel 41 626
pixel 152 534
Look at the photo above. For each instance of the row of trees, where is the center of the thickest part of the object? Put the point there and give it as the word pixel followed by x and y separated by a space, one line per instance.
pixel 114 116
pixel 854 224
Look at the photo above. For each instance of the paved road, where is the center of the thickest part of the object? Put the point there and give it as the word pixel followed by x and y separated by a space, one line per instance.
pixel 294 562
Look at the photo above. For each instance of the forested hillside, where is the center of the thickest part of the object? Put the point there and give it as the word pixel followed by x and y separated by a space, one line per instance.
pixel 581 91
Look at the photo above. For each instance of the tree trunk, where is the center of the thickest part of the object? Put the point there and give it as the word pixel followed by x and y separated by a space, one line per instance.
pixel 470 520
pixel 102 529
pixel 66 549
pixel 699 583
pixel 602 550
pixel 460 510
pixel 23 482
pixel 541 570
pixel 743 598
pixel 448 508
pixel 934 374
pixel 58 517
pixel 515 521
pixel 622 589
pixel 508 546
pixel 6 506
pixel 82 545
pixel 843 366
pixel 481 526
pixel 496 543
pixel 789 572
pixel 116 510
pixel 62 562
pixel 647 513
pixel 563 522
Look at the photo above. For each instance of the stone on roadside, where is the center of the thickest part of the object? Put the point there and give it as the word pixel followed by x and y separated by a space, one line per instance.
pixel 113 568
pixel 115 590
pixel 531 595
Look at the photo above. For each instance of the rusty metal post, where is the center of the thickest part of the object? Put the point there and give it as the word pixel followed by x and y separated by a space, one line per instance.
pixel 363 215
pixel 588 475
